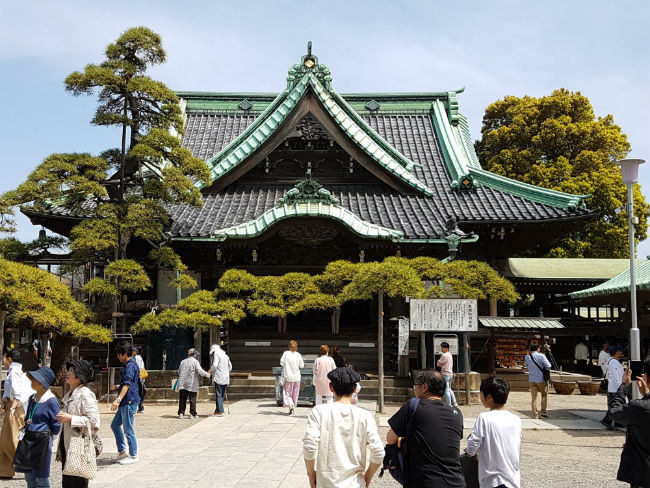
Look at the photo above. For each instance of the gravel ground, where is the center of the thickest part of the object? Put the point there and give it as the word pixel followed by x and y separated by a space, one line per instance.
pixel 570 458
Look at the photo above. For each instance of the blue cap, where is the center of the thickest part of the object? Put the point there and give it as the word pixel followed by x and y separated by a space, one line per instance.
pixel 614 349
pixel 45 376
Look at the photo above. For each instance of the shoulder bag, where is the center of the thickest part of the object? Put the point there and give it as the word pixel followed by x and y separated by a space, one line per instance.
pixel 80 459
pixel 545 371
pixel 32 450
pixel 396 453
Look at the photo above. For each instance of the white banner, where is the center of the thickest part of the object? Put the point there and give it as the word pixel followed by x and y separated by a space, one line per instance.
pixel 403 337
pixel 444 315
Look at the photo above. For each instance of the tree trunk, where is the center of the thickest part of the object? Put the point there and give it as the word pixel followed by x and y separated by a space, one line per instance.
pixel 61 353
pixel 3 314
pixel 380 348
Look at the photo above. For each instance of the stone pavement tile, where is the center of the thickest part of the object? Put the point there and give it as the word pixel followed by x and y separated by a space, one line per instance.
pixel 257 483
pixel 295 480
pixel 220 482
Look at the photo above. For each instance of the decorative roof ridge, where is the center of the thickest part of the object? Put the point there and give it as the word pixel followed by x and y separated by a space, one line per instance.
pixel 465 139
pixel 358 130
pixel 270 96
pixel 310 72
pixel 527 191
pixel 308 190
pixel 256 133
pixel 455 159
pixel 282 211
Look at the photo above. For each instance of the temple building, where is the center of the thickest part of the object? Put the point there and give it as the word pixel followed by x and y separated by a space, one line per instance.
pixel 310 175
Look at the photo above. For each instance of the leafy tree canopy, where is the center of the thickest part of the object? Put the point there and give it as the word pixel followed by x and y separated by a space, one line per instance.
pixel 122 193
pixel 557 142
pixel 33 298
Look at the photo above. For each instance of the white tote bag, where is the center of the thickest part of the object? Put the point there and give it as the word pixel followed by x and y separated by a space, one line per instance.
pixel 80 459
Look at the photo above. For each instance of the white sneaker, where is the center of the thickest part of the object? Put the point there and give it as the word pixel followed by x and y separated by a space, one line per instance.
pixel 194 417
pixel 181 416
pixel 130 460
pixel 121 456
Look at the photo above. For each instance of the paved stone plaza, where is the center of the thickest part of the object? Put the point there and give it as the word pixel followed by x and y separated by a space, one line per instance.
pixel 259 446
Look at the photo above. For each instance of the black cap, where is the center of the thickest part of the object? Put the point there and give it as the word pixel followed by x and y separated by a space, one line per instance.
pixel 82 370
pixel 343 376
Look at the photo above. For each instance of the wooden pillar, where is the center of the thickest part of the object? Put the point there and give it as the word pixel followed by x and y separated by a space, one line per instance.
pixel 380 348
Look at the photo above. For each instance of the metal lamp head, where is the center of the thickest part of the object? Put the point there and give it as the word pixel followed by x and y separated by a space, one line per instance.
pixel 630 170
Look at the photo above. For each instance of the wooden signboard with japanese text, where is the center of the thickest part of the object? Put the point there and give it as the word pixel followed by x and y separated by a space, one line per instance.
pixel 443 315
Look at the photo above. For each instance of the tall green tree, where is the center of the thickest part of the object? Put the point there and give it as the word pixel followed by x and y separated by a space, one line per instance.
pixel 557 142
pixel 35 299
pixel 123 192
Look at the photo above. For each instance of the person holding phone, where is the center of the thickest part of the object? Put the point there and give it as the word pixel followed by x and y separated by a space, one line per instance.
pixel 635 415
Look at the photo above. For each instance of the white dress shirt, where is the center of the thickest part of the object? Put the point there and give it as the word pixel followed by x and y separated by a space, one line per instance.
pixel 615 373
pixel 339 437
pixel 17 384
pixel 581 352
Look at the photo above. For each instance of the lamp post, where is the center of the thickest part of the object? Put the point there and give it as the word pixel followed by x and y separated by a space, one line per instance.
pixel 630 172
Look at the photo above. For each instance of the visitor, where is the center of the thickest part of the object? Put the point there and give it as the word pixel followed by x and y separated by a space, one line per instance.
pixel 614 378
pixel 79 416
pixel 189 372
pixel 221 368
pixel 142 389
pixel 603 357
pixel 42 410
pixel 291 362
pixel 496 438
pixel 536 362
pixel 322 366
pixel 446 365
pixel 339 437
pixel 581 356
pixel 126 405
pixel 339 360
pixel 433 453
pixel 635 414
pixel 17 390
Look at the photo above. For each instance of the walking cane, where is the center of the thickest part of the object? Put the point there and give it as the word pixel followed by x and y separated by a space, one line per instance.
pixel 225 396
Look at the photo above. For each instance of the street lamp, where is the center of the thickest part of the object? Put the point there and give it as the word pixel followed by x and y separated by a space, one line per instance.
pixel 630 172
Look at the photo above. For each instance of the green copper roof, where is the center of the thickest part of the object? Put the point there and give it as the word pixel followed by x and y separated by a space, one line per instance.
pixel 318 77
pixel 281 212
pixel 452 148
pixel 620 283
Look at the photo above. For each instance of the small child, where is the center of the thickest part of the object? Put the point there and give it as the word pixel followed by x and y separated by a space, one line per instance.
pixel 496 438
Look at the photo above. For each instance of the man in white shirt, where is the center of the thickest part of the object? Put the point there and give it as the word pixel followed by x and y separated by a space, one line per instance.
pixel 496 438
pixel 603 357
pixel 614 377
pixel 581 355
pixel 339 436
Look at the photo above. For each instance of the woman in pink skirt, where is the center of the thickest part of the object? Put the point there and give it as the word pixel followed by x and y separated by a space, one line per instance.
pixel 323 365
pixel 291 363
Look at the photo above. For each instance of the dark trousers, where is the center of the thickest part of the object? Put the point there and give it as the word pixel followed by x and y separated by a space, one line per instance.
pixel 142 391
pixel 183 394
pixel 610 399
pixel 74 482
pixel 581 366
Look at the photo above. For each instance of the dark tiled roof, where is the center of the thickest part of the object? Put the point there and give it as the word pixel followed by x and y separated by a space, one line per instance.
pixel 416 216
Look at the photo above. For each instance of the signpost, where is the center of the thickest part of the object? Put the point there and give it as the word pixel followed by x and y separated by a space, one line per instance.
pixel 445 315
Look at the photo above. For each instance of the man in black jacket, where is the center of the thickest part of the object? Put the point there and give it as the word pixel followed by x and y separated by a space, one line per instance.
pixel 635 459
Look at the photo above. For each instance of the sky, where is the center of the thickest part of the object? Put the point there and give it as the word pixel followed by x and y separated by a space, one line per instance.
pixel 493 49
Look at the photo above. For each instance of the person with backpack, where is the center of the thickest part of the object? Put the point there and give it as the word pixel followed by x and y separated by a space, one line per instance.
pixel 536 362
pixel 432 432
